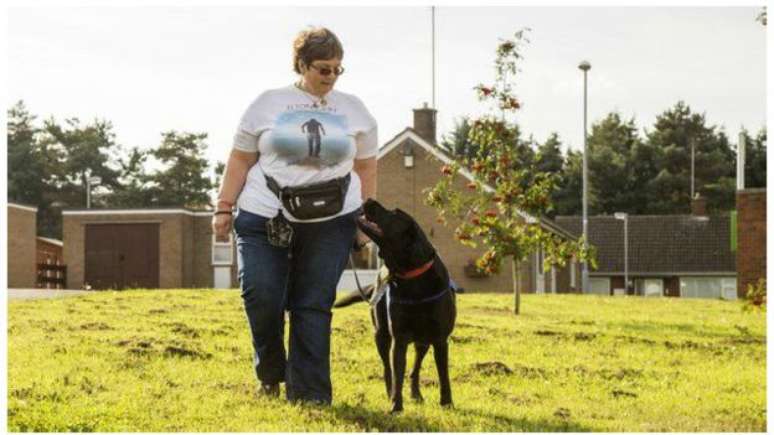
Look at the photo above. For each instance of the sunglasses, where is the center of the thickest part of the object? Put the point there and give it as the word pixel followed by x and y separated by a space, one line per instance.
pixel 325 71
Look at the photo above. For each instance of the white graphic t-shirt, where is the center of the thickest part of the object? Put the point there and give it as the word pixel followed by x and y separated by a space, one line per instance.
pixel 303 142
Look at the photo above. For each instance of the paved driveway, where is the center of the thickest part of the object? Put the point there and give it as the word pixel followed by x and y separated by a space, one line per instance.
pixel 38 293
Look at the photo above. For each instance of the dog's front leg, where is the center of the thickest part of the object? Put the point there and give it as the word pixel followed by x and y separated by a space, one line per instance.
pixel 421 350
pixel 441 354
pixel 398 354
pixel 383 341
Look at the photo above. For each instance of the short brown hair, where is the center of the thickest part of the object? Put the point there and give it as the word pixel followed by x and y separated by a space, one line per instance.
pixel 316 43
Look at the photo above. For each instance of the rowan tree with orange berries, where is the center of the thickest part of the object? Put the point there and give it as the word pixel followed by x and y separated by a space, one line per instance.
pixel 501 208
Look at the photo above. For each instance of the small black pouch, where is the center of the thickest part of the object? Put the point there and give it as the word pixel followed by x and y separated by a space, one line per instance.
pixel 279 231
pixel 312 201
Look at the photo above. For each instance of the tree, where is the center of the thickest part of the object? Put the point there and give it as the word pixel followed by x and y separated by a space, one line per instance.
pixel 755 159
pixel 134 190
pixel 549 155
pixel 674 133
pixel 457 143
pixel 611 177
pixel 76 152
pixel 183 181
pixel 569 192
pixel 26 170
pixel 492 210
pixel 549 159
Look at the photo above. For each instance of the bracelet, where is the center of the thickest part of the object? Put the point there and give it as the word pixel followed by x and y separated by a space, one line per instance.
pixel 223 212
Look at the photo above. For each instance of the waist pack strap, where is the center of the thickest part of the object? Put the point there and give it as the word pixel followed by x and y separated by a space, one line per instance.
pixel 272 184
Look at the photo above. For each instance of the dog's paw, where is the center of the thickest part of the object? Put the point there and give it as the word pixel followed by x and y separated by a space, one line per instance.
pixel 447 405
pixel 396 409
pixel 417 397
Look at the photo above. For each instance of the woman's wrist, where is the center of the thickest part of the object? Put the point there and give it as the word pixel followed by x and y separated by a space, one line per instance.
pixel 224 205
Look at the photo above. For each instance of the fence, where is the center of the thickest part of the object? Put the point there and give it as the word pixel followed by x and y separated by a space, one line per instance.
pixel 52 276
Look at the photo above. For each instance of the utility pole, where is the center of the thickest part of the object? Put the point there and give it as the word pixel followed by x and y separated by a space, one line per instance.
pixel 432 10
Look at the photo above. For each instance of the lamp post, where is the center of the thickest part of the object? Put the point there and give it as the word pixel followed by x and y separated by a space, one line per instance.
pixel 625 218
pixel 89 182
pixel 585 66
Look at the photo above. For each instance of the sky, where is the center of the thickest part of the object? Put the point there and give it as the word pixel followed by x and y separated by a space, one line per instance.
pixel 152 69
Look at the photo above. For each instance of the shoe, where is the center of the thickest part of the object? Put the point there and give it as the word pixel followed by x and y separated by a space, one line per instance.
pixel 269 390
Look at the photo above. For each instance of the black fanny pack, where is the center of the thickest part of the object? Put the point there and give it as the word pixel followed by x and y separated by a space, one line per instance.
pixel 312 201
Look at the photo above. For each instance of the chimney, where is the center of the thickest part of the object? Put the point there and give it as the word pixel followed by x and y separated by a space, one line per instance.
pixel 699 205
pixel 424 123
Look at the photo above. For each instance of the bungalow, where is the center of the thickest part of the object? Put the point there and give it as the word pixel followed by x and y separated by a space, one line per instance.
pixel 669 255
pixel 150 248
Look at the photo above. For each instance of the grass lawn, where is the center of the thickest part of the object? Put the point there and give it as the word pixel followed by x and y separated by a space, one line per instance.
pixel 180 360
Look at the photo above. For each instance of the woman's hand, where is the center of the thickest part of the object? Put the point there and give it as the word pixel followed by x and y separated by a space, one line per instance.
pixel 221 225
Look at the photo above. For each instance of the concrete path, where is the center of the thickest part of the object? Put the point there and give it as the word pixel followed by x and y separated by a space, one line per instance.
pixel 40 293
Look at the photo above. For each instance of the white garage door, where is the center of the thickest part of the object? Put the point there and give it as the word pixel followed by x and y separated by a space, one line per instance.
pixel 599 286
pixel 654 287
pixel 708 287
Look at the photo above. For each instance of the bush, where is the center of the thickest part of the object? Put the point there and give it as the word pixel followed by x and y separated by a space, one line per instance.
pixel 755 298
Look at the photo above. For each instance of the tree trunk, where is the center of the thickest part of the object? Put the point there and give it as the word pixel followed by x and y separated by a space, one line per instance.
pixel 516 275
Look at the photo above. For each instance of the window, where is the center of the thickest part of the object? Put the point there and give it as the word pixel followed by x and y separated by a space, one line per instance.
pixel 223 252
pixel 708 287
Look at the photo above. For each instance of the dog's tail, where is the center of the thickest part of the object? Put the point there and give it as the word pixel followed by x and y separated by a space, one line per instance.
pixel 355 297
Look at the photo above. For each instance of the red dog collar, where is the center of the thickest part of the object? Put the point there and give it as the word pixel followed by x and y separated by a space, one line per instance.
pixel 416 272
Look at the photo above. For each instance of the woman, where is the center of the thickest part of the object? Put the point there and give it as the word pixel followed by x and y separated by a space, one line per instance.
pixel 302 163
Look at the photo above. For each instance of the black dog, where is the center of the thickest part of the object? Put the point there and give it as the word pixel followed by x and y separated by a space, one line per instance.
pixel 415 304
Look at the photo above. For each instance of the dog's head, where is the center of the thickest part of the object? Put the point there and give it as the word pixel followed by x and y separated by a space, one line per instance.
pixel 402 243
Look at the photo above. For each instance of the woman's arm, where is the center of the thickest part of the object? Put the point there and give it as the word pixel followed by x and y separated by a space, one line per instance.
pixel 239 163
pixel 366 170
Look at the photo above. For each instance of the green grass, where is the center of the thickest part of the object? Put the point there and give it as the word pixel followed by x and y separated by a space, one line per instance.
pixel 156 361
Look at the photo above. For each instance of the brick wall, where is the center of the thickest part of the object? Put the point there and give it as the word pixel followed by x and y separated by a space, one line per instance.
pixel 22 221
pixel 188 254
pixel 751 238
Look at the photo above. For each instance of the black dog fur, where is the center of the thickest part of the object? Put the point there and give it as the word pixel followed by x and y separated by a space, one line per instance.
pixel 421 309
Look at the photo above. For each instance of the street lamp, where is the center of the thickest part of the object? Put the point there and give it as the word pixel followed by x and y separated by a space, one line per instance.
pixel 625 218
pixel 585 66
pixel 89 182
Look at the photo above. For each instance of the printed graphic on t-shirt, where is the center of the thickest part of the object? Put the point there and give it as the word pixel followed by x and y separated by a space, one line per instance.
pixel 311 138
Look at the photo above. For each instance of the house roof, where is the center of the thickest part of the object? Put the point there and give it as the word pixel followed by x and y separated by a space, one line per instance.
pixel 668 244
pixel 410 134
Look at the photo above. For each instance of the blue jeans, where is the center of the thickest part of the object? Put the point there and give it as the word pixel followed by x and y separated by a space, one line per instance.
pixel 301 279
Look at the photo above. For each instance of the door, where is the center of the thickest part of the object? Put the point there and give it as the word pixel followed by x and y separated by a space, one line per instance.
pixel 122 256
